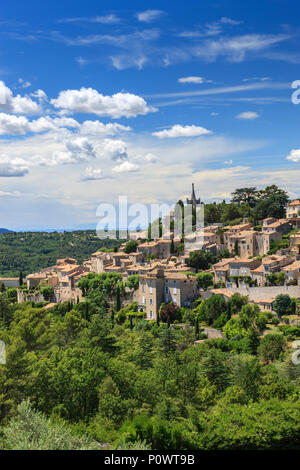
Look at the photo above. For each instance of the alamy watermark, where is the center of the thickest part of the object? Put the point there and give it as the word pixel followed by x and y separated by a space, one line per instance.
pixel 2 352
pixel 296 93
pixel 160 220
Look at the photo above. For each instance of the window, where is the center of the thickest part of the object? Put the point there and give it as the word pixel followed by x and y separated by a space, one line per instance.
pixel 175 290
pixel 151 314
pixel 150 290
pixel 144 288
pixel 143 300
pixel 151 301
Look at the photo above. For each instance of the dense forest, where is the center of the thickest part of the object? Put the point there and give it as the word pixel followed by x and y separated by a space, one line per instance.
pixel 97 375
pixel 31 251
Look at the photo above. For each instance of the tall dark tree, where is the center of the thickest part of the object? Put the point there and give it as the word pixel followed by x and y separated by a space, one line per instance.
pixel 245 196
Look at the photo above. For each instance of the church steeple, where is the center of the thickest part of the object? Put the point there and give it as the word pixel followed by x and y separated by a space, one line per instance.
pixel 194 201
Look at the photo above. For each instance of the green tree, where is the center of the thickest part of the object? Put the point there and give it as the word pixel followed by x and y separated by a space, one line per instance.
pixel 204 280
pixel 245 195
pixel 281 304
pixel 271 346
pixel 131 246
pixel 47 292
pixel 30 430
pixel 200 260
pixel 212 308
pixel 214 366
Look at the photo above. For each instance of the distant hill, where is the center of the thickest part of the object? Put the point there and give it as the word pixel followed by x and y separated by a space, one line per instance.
pixel 4 230
pixel 31 251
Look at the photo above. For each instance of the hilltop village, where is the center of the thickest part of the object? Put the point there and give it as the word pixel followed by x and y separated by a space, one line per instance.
pixel 259 262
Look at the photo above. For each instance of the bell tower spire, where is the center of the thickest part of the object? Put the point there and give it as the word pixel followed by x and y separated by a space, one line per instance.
pixel 194 201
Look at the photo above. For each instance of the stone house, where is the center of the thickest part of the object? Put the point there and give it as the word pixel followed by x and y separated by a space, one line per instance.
pixel 239 269
pixel 293 209
pixel 158 286
pixel 292 272
pixel 221 271
pixel 276 225
pixel 270 264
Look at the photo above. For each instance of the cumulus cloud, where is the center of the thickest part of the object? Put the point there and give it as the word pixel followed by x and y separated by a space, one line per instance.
pixel 19 125
pixel 88 100
pixel 40 95
pixel 77 150
pixel 16 104
pixel 97 128
pixel 149 15
pixel 125 167
pixel 181 131
pixel 294 155
pixel 191 80
pixel 92 174
pixel 248 115
pixel 116 150
pixel 12 167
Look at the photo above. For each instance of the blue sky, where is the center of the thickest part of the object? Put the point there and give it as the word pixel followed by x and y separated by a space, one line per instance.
pixel 100 99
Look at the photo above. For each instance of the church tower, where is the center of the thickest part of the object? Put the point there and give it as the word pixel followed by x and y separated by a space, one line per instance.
pixel 194 201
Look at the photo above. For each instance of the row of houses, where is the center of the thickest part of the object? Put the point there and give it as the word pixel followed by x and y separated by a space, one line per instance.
pixel 165 277
pixel 238 271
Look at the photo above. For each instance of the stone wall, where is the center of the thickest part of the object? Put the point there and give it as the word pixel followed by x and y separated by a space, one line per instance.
pixel 259 293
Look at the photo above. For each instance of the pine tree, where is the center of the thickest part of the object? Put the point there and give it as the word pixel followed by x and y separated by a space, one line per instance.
pixel 20 279
pixel 197 328
pixel 118 299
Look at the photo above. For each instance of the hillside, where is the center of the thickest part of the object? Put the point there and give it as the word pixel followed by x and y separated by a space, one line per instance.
pixel 31 251
pixel 5 230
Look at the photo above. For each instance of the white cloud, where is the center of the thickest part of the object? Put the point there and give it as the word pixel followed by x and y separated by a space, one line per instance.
pixel 230 21
pixel 16 104
pixel 228 162
pixel 24 83
pixel 116 150
pixel 248 115
pixel 77 150
pixel 12 167
pixel 97 128
pixel 88 100
pixel 20 125
pixel 181 131
pixel 191 80
pixel 92 174
pixel 40 95
pixel 10 193
pixel 294 155
pixel 150 158
pixel 126 167
pixel 105 19
pixel 123 61
pixel 149 15
pixel 234 49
